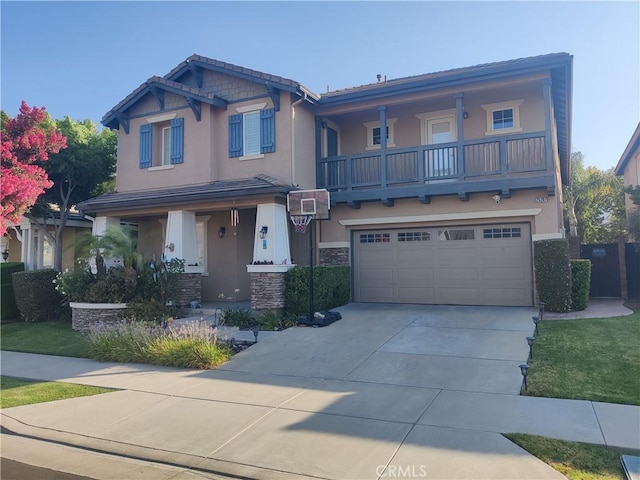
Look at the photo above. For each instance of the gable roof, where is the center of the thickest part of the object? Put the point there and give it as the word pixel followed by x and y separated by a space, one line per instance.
pixel 221 189
pixel 193 64
pixel 632 149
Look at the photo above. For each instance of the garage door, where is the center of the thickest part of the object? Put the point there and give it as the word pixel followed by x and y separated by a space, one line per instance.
pixel 466 265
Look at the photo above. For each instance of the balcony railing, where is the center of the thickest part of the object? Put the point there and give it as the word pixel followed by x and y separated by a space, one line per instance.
pixel 496 156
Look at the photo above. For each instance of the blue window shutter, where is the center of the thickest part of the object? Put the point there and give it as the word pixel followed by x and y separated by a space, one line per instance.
pixel 235 135
pixel 267 130
pixel 146 131
pixel 177 140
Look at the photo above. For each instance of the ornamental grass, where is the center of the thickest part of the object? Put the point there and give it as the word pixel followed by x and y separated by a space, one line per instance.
pixel 191 345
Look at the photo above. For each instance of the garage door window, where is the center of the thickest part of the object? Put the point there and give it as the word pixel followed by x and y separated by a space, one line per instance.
pixel 456 234
pixel 508 232
pixel 375 238
pixel 414 237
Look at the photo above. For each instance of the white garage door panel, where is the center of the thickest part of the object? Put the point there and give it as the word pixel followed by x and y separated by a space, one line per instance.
pixel 413 276
pixel 490 266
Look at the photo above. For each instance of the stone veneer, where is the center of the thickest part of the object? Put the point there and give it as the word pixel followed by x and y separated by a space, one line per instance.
pixel 334 256
pixel 267 290
pixel 190 288
pixel 86 315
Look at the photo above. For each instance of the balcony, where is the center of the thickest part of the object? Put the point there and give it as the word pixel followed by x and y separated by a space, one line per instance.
pixel 500 164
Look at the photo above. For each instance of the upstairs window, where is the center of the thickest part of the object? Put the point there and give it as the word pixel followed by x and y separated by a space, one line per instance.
pixel 374 134
pixel 503 117
pixel 161 142
pixel 252 132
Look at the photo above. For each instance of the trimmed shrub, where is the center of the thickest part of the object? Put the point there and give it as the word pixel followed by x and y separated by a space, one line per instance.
pixel 580 283
pixel 553 274
pixel 241 318
pixel 36 295
pixel 8 307
pixel 331 288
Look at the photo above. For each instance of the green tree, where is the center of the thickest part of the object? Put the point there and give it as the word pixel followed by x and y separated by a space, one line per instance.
pixel 594 203
pixel 80 172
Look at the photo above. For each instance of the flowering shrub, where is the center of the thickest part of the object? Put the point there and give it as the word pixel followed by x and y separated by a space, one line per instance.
pixel 117 285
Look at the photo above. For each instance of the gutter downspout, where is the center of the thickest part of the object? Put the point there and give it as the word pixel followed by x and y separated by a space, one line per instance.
pixel 293 139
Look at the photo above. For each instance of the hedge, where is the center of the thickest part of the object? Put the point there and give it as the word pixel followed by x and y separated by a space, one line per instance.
pixel 8 308
pixel 331 288
pixel 580 283
pixel 36 296
pixel 553 274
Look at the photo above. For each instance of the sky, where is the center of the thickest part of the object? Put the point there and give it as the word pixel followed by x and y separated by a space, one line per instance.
pixel 81 58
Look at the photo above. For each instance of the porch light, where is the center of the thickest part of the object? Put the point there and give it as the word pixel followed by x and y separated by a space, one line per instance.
pixel 524 370
pixel 536 320
pixel 465 115
pixel 530 343
pixel 5 254
pixel 222 231
pixel 263 232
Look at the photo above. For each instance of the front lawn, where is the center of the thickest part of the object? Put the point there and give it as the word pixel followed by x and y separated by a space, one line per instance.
pixel 18 391
pixel 577 461
pixel 588 359
pixel 50 338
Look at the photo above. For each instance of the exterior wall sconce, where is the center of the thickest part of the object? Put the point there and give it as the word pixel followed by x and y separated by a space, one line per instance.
pixel 5 254
pixel 465 115
pixel 530 343
pixel 263 232
pixel 171 247
pixel 496 198
pixel 222 231
pixel 524 370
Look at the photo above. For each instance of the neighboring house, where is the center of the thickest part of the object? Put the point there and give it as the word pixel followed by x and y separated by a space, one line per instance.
pixel 26 243
pixel 629 166
pixel 439 182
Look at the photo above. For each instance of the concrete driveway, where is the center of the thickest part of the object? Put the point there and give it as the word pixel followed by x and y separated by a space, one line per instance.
pixel 390 391
pixel 472 349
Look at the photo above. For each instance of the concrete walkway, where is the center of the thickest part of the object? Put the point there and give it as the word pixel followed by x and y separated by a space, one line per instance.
pixel 388 392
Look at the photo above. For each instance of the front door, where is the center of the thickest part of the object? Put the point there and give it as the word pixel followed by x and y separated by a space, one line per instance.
pixel 441 162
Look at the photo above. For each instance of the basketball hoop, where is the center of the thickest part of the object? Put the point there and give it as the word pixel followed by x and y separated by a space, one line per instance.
pixel 300 222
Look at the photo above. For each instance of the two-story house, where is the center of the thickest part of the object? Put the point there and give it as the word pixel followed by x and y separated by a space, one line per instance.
pixel 629 168
pixel 439 183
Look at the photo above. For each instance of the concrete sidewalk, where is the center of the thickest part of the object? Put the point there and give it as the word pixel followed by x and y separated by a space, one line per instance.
pixel 416 392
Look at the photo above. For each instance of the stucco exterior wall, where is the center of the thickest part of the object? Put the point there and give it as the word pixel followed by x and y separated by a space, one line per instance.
pixel 407 126
pixel 480 209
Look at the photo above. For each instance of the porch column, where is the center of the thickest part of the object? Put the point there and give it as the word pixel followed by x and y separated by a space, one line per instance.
pixel 460 139
pixel 267 281
pixel 100 226
pixel 548 124
pixel 40 250
pixel 181 240
pixel 26 253
pixel 274 247
pixel 383 145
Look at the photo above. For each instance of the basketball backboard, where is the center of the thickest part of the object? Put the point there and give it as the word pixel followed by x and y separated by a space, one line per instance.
pixel 309 202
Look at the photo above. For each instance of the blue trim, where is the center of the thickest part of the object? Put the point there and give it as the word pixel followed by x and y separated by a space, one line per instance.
pixel 274 94
pixel 196 107
pixel 146 141
pixel 158 95
pixel 235 135
pixel 267 130
pixel 177 141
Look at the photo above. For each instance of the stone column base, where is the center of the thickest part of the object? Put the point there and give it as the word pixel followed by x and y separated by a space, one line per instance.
pixel 267 286
pixel 86 315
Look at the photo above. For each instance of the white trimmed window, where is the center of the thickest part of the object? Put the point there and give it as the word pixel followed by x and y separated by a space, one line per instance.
pixel 251 133
pixel 503 117
pixel 374 134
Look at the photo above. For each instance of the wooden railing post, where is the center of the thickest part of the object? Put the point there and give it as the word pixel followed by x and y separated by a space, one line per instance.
pixel 383 145
pixel 460 136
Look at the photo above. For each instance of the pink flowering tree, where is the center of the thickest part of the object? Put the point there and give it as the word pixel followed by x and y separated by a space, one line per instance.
pixel 28 138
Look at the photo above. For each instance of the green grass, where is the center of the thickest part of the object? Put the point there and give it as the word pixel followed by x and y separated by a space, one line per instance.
pixel 588 359
pixel 51 338
pixel 17 391
pixel 577 461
